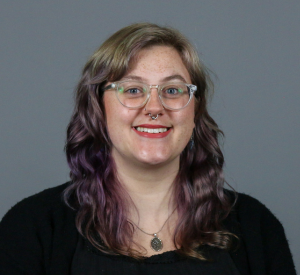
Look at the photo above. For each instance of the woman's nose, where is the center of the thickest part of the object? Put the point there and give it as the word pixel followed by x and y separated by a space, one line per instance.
pixel 154 105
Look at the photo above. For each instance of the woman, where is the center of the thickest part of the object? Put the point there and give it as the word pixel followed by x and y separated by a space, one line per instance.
pixel 147 193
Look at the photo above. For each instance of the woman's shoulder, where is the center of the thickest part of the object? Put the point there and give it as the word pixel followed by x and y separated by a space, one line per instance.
pixel 244 204
pixel 252 214
pixel 39 204
pixel 38 211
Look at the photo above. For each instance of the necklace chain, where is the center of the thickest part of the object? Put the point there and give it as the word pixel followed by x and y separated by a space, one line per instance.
pixel 159 229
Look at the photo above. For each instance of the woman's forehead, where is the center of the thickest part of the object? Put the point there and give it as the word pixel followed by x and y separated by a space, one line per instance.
pixel 160 62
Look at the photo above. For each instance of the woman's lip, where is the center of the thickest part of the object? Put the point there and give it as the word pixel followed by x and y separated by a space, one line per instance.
pixel 148 135
pixel 151 126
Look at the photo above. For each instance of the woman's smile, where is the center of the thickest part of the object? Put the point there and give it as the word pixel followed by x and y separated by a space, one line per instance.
pixel 152 131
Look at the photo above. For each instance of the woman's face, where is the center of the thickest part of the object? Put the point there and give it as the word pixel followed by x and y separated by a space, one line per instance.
pixel 152 66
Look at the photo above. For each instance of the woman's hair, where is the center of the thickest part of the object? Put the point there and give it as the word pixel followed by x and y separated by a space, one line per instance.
pixel 95 191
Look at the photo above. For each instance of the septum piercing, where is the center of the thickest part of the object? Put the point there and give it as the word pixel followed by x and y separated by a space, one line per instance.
pixel 153 117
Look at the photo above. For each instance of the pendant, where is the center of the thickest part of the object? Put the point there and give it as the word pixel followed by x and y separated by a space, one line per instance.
pixel 156 243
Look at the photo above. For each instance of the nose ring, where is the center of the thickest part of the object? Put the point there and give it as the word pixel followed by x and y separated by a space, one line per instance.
pixel 153 117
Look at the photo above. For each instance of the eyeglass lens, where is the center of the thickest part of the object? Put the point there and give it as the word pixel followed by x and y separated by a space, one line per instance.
pixel 135 94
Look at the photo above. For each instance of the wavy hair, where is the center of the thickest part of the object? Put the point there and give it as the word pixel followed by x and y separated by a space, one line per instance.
pixel 97 194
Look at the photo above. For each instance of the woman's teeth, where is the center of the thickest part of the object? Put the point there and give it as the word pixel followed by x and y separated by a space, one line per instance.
pixel 152 131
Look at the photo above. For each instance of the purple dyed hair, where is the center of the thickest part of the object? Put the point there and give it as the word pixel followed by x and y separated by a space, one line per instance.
pixel 95 190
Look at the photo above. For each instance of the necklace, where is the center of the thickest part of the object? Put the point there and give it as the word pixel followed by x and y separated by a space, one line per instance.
pixel 156 243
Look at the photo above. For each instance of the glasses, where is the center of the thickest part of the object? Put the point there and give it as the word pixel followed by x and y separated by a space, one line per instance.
pixel 133 94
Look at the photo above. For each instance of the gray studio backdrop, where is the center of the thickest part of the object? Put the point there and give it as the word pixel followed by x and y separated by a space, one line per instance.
pixel 252 46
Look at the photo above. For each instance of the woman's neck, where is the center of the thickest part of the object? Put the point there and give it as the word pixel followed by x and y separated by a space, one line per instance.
pixel 150 187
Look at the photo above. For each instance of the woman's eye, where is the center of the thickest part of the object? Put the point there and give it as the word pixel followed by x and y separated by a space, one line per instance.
pixel 133 91
pixel 172 91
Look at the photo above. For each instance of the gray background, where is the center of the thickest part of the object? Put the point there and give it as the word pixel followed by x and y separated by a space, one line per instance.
pixel 252 46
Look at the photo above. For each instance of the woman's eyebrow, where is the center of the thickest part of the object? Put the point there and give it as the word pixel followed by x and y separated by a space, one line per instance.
pixel 166 79
pixel 174 77
pixel 134 77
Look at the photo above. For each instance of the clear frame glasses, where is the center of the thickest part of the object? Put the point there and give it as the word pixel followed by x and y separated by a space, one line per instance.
pixel 134 94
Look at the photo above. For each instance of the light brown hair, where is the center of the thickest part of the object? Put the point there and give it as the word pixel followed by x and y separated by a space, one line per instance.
pixel 102 208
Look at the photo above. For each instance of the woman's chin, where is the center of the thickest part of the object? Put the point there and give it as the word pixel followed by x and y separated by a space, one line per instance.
pixel 154 159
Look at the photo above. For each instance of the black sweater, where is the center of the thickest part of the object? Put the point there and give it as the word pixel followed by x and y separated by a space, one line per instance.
pixel 38 236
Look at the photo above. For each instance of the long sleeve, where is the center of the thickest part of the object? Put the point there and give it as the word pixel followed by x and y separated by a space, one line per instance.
pixel 38 236
pixel 265 241
pixel 21 250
